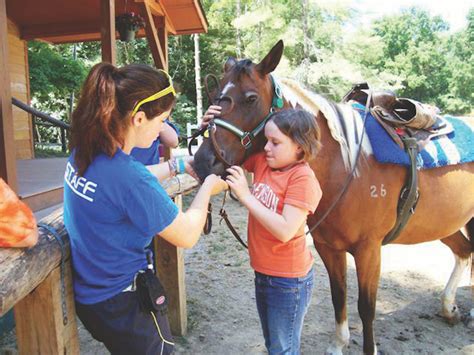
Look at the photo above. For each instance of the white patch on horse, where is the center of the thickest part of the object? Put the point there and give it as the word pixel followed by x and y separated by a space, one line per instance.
pixel 341 339
pixel 450 309
pixel 227 87
pixel 349 138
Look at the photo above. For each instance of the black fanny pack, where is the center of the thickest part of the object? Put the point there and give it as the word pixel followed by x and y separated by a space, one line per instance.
pixel 150 292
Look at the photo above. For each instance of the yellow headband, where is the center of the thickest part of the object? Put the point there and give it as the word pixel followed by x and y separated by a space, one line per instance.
pixel 156 96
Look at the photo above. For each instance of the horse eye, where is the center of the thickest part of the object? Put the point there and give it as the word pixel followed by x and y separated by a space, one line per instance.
pixel 251 99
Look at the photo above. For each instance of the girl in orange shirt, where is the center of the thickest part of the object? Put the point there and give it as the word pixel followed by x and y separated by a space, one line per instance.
pixel 285 191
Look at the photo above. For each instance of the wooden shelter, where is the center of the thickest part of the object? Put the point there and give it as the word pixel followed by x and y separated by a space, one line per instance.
pixel 67 21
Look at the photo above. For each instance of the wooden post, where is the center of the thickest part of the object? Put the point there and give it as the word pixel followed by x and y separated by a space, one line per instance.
pixel 169 262
pixel 107 31
pixel 39 318
pixel 7 140
pixel 163 38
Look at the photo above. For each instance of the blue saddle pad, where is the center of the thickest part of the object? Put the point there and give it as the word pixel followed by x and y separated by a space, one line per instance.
pixel 454 148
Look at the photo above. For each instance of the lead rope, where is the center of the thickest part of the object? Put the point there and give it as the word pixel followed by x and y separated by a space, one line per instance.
pixel 224 217
pixel 52 232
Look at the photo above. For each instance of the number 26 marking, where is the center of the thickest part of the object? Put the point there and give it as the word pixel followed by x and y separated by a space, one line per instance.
pixel 373 191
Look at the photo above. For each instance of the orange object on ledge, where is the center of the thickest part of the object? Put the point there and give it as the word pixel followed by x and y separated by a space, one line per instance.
pixel 17 222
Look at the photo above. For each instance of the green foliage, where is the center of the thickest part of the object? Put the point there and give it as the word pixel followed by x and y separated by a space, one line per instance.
pixel 184 112
pixel 410 52
pixel 53 76
pixel 408 29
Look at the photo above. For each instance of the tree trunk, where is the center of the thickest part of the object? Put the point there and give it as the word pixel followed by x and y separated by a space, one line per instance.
pixel 238 48
pixel 197 73
pixel 304 20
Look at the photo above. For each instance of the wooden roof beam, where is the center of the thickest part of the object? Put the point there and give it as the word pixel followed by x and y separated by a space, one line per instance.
pixel 31 32
pixel 107 31
pixel 159 11
pixel 158 50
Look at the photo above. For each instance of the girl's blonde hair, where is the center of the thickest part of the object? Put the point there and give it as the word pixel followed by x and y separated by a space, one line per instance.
pixel 301 127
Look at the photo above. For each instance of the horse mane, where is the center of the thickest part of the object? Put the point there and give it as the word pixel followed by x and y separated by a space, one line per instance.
pixel 345 123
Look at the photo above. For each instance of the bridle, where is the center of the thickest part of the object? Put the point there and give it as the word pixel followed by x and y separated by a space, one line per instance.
pixel 246 137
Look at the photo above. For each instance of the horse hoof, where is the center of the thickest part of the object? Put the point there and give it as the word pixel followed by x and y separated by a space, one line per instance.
pixel 332 350
pixel 453 316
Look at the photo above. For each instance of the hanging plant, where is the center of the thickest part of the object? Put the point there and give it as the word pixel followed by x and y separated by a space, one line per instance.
pixel 128 24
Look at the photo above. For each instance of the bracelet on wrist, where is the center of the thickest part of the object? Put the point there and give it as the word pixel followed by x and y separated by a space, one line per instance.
pixel 172 166
pixel 180 166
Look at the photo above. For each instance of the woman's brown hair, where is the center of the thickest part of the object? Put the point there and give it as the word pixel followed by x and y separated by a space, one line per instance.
pixel 103 112
pixel 302 128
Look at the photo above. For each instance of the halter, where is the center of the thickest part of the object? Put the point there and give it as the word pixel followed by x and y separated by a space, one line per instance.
pixel 246 137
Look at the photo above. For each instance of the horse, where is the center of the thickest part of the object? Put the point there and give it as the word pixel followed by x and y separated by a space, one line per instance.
pixel 358 219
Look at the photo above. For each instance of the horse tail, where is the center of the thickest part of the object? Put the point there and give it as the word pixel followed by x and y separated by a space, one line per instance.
pixel 470 232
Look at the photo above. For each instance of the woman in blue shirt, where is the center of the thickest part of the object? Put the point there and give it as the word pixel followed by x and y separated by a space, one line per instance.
pixel 114 205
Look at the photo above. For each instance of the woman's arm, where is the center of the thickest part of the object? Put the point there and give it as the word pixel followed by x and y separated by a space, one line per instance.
pixel 161 171
pixel 186 229
pixel 168 169
pixel 283 227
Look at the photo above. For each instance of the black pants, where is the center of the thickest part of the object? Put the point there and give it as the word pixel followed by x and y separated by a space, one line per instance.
pixel 123 328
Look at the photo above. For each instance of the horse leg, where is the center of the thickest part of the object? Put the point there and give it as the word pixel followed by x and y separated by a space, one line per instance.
pixel 461 249
pixel 336 264
pixel 367 259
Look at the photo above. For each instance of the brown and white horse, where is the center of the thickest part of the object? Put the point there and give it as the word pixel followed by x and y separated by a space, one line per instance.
pixel 363 216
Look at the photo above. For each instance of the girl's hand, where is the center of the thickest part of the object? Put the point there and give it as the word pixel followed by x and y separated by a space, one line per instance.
pixel 238 182
pixel 218 185
pixel 211 112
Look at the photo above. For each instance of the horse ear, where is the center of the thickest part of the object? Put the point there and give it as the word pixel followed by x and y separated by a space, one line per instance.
pixel 271 60
pixel 230 62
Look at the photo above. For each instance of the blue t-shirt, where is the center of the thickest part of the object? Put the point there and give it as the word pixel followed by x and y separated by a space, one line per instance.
pixel 151 155
pixel 111 214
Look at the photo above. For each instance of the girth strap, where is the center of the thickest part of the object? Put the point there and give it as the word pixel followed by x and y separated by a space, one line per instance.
pixel 409 194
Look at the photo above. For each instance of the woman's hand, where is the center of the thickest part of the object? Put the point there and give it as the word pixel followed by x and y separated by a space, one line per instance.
pixel 211 112
pixel 218 185
pixel 238 182
pixel 189 166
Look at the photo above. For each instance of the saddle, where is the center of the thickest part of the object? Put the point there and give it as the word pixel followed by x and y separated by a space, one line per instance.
pixel 401 117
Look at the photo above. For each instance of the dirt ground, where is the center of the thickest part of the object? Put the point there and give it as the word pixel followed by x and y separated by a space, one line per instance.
pixel 222 317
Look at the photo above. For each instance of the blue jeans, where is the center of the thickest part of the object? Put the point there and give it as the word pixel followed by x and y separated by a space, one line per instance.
pixel 282 303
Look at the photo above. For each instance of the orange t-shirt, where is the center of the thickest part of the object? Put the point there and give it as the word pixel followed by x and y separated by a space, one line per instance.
pixel 296 186
pixel 16 219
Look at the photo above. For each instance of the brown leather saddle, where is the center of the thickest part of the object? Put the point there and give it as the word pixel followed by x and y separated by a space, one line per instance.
pixel 401 117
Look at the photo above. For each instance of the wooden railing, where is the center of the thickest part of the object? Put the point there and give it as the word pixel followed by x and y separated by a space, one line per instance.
pixel 47 120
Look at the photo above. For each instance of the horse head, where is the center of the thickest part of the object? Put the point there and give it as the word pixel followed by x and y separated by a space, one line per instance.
pixel 247 96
